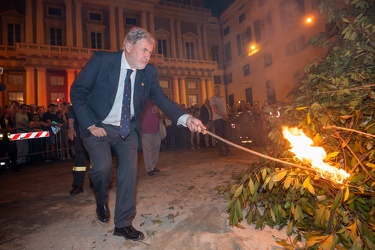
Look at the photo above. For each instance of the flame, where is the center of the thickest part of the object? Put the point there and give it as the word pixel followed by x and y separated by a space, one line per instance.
pixel 301 147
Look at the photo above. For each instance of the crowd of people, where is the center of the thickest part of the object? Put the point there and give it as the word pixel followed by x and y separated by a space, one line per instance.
pixel 22 118
pixel 19 118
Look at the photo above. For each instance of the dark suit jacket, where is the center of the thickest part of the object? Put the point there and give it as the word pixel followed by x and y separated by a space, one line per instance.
pixel 204 114
pixel 94 90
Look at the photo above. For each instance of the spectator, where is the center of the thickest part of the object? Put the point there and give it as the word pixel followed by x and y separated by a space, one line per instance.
pixel 6 145
pixel 22 126
pixel 50 118
pixel 37 143
pixel 150 137
pixel 220 118
pixel 206 118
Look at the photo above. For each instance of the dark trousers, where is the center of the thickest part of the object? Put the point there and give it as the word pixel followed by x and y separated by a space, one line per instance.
pixel 221 129
pixel 99 149
pixel 80 161
pixel 7 146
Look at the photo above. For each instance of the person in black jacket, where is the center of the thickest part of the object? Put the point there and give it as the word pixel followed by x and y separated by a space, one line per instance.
pixel 6 145
pixel 108 96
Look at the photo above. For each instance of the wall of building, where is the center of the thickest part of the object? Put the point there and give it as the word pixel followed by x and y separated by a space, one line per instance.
pixel 278 32
pixel 51 40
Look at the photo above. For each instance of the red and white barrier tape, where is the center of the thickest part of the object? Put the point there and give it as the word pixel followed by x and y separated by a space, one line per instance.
pixel 30 135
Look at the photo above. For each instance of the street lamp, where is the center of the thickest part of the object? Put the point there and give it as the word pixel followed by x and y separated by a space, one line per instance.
pixel 309 20
pixel 253 48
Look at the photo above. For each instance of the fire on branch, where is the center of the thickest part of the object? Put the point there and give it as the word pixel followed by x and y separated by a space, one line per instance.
pixel 301 147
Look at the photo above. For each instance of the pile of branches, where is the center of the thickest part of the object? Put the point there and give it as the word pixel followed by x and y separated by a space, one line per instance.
pixel 334 105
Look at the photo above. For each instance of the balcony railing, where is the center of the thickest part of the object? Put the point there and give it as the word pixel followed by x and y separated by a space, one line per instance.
pixel 30 49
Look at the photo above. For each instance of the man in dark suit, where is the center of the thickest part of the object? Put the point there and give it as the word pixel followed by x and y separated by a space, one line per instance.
pixel 108 96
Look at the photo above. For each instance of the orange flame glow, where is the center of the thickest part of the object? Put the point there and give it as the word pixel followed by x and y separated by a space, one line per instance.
pixel 301 147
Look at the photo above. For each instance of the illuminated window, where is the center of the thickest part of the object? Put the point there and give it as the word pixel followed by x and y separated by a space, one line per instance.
pixel 164 84
pixel 54 96
pixel 192 100
pixel 15 79
pixel 15 96
pixel 191 85
pixel 57 80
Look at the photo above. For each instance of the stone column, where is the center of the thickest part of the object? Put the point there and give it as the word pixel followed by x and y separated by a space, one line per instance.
pixel 29 27
pixel 79 42
pixel 179 40
pixel 173 38
pixel 152 24
pixel 205 43
pixel 69 23
pixel 144 20
pixel 203 90
pixel 199 43
pixel 183 91
pixel 176 90
pixel 30 85
pixel 42 97
pixel 210 87
pixel 112 28
pixel 121 30
pixel 39 22
pixel 70 73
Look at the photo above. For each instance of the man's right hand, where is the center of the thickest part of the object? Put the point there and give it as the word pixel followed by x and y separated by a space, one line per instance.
pixel 97 131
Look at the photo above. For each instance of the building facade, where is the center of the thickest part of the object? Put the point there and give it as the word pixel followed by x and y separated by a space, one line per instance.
pixel 265 47
pixel 45 43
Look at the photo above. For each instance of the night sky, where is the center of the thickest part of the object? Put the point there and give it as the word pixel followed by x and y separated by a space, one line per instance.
pixel 217 6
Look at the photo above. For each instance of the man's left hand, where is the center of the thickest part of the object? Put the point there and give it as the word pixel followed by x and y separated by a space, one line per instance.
pixel 195 125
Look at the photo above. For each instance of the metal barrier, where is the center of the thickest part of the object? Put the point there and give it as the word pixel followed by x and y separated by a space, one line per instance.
pixel 42 146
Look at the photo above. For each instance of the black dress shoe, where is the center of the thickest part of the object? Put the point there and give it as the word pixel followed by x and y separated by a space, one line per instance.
pixel 102 212
pixel 156 170
pixel 129 233
pixel 76 190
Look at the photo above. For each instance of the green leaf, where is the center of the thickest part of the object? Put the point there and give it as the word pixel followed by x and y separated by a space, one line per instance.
pixel 238 191
pixel 336 201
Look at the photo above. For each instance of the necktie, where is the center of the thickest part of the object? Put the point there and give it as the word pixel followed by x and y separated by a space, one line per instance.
pixel 125 112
